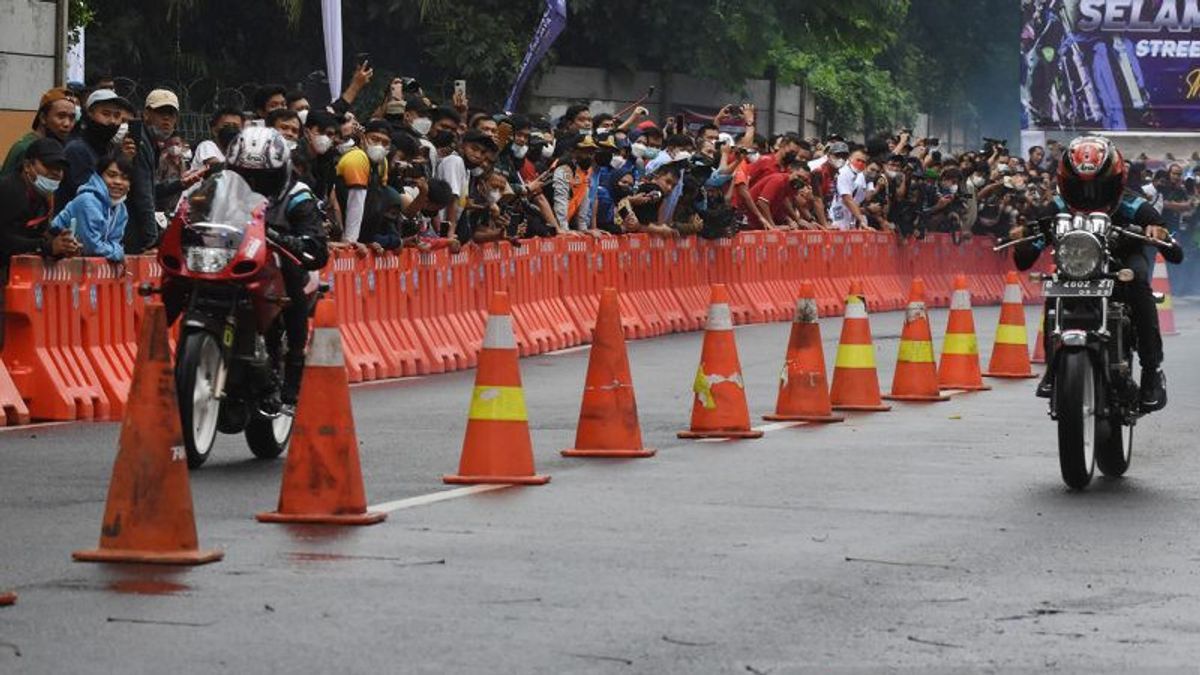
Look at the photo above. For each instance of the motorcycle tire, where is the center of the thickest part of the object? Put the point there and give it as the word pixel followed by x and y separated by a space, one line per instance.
pixel 198 366
pixel 1078 424
pixel 1114 451
pixel 268 437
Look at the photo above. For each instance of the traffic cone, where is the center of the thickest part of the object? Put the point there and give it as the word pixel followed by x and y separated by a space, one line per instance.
pixel 959 368
pixel 7 599
pixel 608 417
pixel 1161 283
pixel 149 517
pixel 1010 355
pixel 719 408
pixel 497 447
pixel 855 381
pixel 803 385
pixel 916 376
pixel 322 480
pixel 1039 347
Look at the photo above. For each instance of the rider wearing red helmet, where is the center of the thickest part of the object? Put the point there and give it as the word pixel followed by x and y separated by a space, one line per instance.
pixel 1092 178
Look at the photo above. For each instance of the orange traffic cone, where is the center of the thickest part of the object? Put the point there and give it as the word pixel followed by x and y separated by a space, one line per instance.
pixel 1161 283
pixel 149 516
pixel 497 447
pixel 1039 347
pixel 608 418
pixel 959 368
pixel 916 376
pixel 855 381
pixel 7 599
pixel 719 408
pixel 803 386
pixel 1010 355
pixel 322 480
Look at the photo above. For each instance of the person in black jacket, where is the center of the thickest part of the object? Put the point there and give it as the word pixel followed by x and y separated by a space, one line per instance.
pixel 159 120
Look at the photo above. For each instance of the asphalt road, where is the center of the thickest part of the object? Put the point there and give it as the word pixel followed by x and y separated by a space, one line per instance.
pixel 934 538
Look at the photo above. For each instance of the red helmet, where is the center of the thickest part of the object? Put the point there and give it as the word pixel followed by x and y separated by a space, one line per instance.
pixel 1091 175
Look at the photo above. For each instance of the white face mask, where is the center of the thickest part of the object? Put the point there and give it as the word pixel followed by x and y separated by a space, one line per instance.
pixel 977 181
pixel 477 171
pixel 346 146
pixel 548 150
pixel 187 155
pixel 617 162
pixel 303 115
pixel 377 153
pixel 494 196
pixel 892 174
pixel 291 145
pixel 118 202
pixel 837 162
pixel 321 144
pixel 519 151
pixel 681 155
pixel 753 157
pixel 422 125
pixel 175 151
pixel 953 189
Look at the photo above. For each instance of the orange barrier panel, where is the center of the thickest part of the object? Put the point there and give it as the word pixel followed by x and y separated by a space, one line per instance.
pixel 13 410
pixel 722 265
pixel 390 299
pixel 428 309
pixel 658 271
pixel 635 263
pixel 577 283
pixel 544 284
pixel 609 274
pixel 526 312
pixel 464 279
pixel 688 281
pixel 109 340
pixel 363 358
pixel 376 314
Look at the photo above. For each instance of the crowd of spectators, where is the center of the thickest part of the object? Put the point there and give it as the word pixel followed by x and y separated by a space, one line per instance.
pixel 96 173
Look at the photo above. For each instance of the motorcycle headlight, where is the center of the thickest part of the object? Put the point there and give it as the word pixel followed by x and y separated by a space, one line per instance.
pixel 208 260
pixel 1080 255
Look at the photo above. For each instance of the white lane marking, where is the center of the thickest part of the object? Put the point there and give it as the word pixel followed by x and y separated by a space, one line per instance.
pixel 570 350
pixel 435 497
pixel 40 425
pixel 380 383
pixel 766 429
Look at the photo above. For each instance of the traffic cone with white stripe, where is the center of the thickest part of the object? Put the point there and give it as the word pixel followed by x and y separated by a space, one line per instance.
pixel 959 368
pixel 855 380
pixel 608 417
pixel 497 447
pixel 803 385
pixel 7 599
pixel 1161 283
pixel 322 480
pixel 916 376
pixel 1010 355
pixel 719 407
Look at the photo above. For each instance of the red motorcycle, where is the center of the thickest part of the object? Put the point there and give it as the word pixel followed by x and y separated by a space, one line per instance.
pixel 221 275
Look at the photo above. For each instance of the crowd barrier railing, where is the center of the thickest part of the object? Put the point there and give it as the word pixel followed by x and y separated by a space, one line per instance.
pixel 70 328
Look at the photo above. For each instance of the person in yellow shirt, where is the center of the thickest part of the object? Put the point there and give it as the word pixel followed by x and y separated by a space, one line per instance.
pixel 360 171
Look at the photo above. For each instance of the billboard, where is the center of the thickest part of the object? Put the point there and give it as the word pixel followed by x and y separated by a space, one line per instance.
pixel 1110 64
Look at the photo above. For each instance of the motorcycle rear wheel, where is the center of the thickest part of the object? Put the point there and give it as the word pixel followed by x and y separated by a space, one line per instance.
pixel 268 437
pixel 198 367
pixel 1078 425
pixel 1114 451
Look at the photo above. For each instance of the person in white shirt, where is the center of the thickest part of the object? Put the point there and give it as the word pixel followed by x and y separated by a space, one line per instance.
pixel 846 211
pixel 224 125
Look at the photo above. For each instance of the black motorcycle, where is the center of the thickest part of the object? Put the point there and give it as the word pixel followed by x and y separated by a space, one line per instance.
pixel 1096 399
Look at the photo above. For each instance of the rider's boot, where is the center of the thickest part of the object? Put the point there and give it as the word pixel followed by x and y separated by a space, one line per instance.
pixel 293 373
pixel 1045 388
pixel 1154 389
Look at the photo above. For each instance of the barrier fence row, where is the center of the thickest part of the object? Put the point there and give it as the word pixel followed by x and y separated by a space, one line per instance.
pixel 70 329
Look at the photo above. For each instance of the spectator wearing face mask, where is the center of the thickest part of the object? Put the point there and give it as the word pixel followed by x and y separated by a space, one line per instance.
pixel 97 215
pixel 361 175
pixel 646 145
pixel 159 119
pixel 55 118
pixel 825 170
pixel 224 125
pixel 462 169
pixel 287 122
pixel 776 195
pixel 852 190
pixel 648 203
pixel 173 164
pixel 572 183
pixel 106 112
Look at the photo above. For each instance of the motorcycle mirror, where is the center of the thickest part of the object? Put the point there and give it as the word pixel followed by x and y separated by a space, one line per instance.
pixel 1125 276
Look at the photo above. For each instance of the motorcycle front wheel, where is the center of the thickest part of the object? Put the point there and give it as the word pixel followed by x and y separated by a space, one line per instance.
pixel 199 366
pixel 1078 424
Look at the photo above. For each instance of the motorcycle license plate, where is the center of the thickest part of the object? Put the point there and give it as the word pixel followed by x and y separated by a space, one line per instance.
pixel 1093 288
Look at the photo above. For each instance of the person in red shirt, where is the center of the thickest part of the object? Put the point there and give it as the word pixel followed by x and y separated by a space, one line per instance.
pixel 775 197
pixel 789 148
pixel 825 170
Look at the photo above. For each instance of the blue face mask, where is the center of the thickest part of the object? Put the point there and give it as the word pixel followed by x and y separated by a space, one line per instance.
pixel 45 185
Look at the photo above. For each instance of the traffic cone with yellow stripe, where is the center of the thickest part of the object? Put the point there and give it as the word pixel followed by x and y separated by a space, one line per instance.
pixel 803 385
pixel 1161 283
pixel 855 380
pixel 322 480
pixel 497 447
pixel 719 407
pixel 7 599
pixel 608 417
pixel 1010 355
pixel 959 368
pixel 916 376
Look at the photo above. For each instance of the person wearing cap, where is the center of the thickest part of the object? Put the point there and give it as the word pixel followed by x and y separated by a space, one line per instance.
pixel 55 118
pixel 106 113
pixel 159 119
pixel 361 173
pixel 475 153
pixel 572 183
pixel 825 170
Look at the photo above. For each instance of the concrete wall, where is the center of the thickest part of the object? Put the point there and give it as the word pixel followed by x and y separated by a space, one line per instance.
pixel 28 45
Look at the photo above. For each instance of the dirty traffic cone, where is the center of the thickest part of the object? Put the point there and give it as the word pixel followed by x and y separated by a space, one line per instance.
pixel 608 418
pixel 149 517
pixel 959 368
pixel 803 385
pixel 855 381
pixel 1161 283
pixel 322 480
pixel 719 406
pixel 497 447
pixel 1010 355
pixel 7 599
pixel 916 376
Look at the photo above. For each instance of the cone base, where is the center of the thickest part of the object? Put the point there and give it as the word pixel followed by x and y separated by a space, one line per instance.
pixel 107 555
pixel 368 518
pixel 863 408
pixel 7 599
pixel 917 397
pixel 1011 376
pixel 964 387
pixel 822 419
pixel 1042 362
pixel 1171 333
pixel 496 480
pixel 730 433
pixel 615 454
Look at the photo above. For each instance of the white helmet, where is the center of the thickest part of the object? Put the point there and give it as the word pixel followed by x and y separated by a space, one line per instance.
pixel 261 156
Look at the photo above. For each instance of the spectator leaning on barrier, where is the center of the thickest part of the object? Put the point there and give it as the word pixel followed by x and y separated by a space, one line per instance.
pixel 223 126
pixel 159 119
pixel 106 112
pixel 55 118
pixel 97 215
pixel 362 173
pixel 852 190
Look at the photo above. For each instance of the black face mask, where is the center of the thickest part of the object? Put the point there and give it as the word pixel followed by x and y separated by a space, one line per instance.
pixel 584 163
pixel 100 135
pixel 227 134
pixel 789 157
pixel 603 158
pixel 621 192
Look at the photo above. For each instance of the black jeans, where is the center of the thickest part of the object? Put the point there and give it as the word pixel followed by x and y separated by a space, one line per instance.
pixel 1138 295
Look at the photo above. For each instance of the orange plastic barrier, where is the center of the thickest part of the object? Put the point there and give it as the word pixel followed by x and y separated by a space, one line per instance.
pixel 108 335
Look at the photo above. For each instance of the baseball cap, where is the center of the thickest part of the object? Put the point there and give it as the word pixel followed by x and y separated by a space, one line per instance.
pixel 837 148
pixel 160 98
pixel 394 108
pixel 416 104
pixel 51 96
pixel 108 96
pixel 48 151
pixel 479 138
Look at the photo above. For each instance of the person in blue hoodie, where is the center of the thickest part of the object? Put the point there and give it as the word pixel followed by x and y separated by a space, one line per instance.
pixel 97 215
